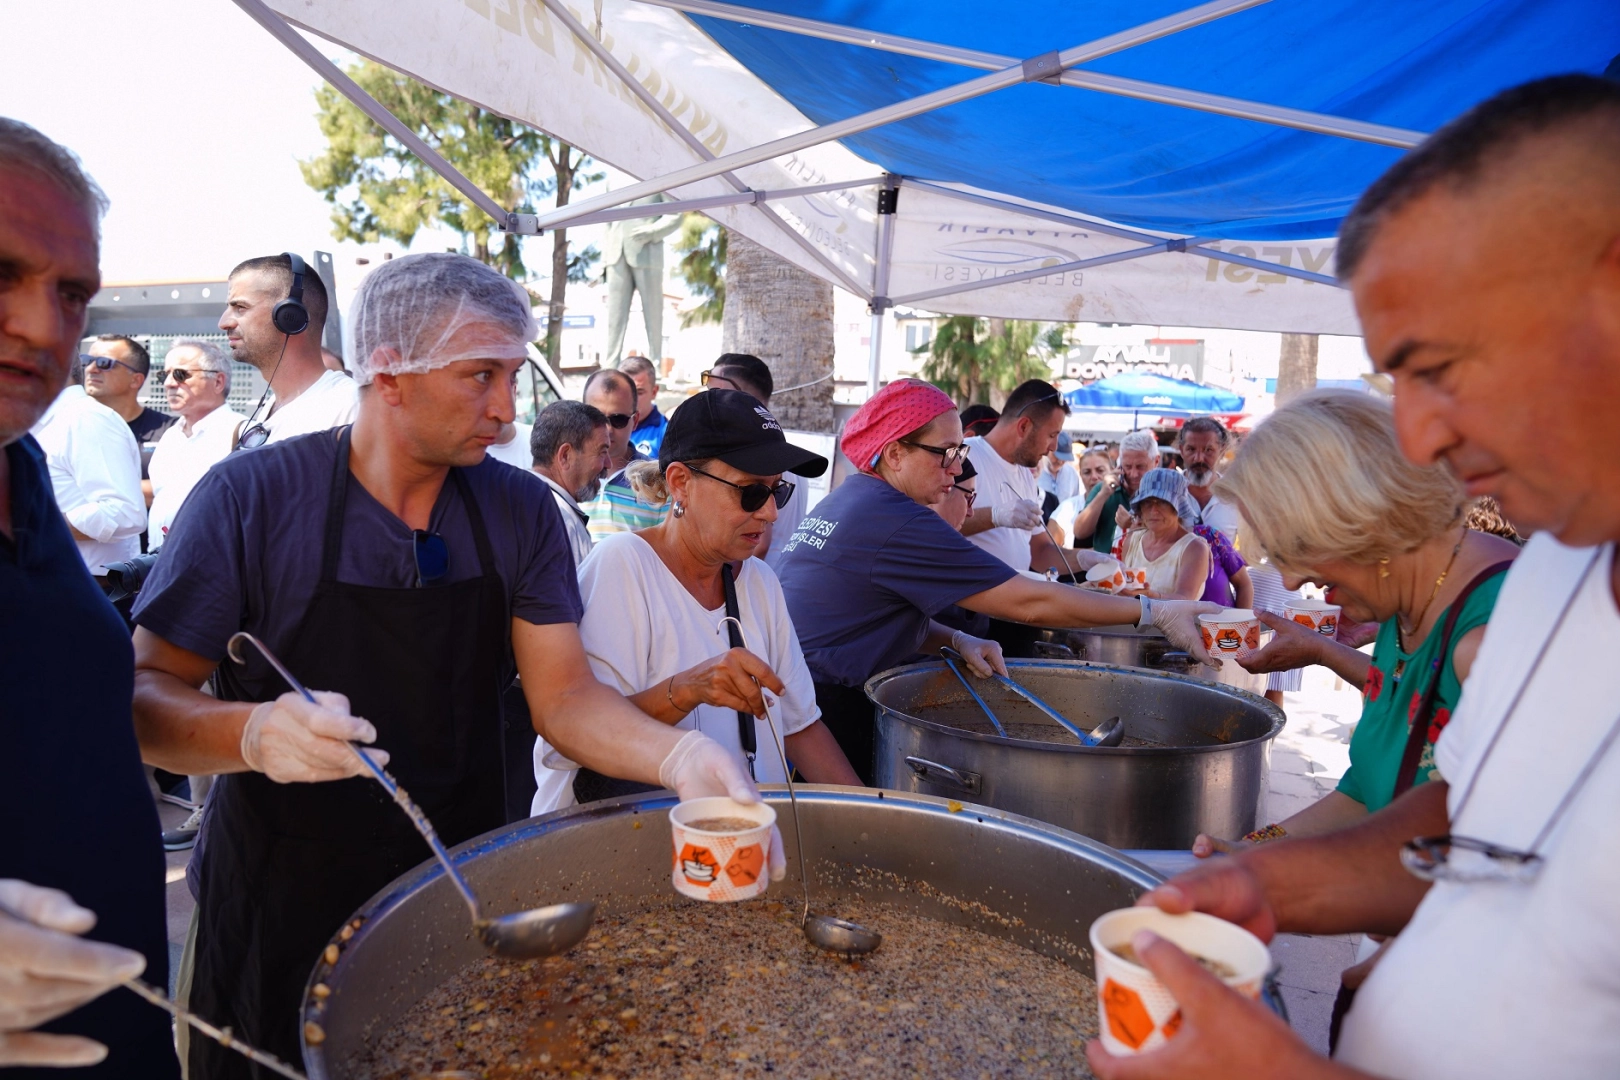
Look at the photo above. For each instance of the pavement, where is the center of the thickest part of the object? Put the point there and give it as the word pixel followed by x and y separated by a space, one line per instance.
pixel 1307 760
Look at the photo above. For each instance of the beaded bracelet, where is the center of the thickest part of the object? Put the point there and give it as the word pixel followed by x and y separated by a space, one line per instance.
pixel 1270 832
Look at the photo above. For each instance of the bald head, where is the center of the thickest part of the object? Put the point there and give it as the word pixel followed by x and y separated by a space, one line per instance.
pixel 1486 271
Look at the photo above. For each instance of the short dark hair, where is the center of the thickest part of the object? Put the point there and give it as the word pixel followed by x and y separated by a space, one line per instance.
pixel 561 422
pixel 1460 153
pixel 611 374
pixel 1203 425
pixel 750 369
pixel 139 357
pixel 1026 397
pixel 280 267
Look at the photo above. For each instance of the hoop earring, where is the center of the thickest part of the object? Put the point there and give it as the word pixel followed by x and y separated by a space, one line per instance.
pixel 1383 567
pixel 679 510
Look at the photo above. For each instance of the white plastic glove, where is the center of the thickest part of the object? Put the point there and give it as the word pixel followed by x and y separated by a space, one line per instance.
pixel 1023 514
pixel 982 656
pixel 1178 619
pixel 697 767
pixel 294 742
pixel 47 970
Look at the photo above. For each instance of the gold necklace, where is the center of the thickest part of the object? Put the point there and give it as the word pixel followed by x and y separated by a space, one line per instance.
pixel 1400 623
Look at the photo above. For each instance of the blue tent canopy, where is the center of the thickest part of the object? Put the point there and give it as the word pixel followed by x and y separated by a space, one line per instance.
pixel 1148 393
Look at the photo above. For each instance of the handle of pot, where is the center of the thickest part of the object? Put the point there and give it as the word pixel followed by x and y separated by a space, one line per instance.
pixel 934 772
pixel 1051 650
pixel 1182 660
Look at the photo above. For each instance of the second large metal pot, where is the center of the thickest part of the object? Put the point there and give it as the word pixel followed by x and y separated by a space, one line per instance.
pixel 1129 646
pixel 1207 771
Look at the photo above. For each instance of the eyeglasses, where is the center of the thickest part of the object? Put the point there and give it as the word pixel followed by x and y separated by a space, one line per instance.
pixel 432 557
pixel 181 374
pixel 619 420
pixel 708 378
pixel 967 493
pixel 106 363
pixel 1056 395
pixel 754 495
pixel 253 437
pixel 1430 858
pixel 950 456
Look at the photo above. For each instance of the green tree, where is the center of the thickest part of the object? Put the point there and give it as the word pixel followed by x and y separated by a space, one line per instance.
pixel 971 358
pixel 701 245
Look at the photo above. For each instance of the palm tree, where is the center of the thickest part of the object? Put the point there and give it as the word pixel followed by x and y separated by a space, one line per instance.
pixel 784 316
pixel 975 360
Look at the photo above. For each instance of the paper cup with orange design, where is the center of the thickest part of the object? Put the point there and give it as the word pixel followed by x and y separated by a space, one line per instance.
pixel 1135 1011
pixel 722 848
pixel 1318 615
pixel 1231 633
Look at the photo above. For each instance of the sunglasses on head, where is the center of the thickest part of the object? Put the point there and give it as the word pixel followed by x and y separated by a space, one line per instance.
pixel 753 496
pixel 709 377
pixel 1056 395
pixel 181 374
pixel 105 363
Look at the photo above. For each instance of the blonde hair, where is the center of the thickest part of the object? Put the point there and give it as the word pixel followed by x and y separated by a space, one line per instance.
pixel 646 479
pixel 1324 478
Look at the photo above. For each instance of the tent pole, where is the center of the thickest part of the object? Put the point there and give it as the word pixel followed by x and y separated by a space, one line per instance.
pixel 1301 119
pixel 874 361
pixel 622 213
pixel 1039 68
pixel 888 203
pixel 309 54
pixel 680 130
pixel 1027 275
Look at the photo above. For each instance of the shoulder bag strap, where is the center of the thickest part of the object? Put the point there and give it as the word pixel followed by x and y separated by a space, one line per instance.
pixel 746 734
pixel 1419 734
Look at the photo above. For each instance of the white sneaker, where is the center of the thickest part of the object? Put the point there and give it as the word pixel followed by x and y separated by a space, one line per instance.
pixel 184 835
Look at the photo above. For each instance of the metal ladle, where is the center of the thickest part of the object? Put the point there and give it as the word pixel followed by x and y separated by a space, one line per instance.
pixel 522 935
pixel 1110 732
pixel 824 931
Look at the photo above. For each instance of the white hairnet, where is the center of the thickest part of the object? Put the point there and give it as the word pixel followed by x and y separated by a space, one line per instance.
pixel 420 312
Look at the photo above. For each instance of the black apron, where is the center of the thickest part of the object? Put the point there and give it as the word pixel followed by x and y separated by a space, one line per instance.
pixel 284 864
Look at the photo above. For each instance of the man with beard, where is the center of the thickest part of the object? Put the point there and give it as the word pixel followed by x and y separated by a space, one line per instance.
pixel 1201 443
pixel 570 447
pixel 1496 239
pixel 286 348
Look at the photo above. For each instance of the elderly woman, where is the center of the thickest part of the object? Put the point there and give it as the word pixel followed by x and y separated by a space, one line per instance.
pixel 1328 494
pixel 866 572
pixel 1176 559
pixel 656 600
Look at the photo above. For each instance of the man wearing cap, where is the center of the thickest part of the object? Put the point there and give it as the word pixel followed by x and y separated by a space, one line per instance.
pixel 402 576
pixel 866 572
pixel 1056 477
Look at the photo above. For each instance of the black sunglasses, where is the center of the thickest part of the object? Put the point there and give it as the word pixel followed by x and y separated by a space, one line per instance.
pixel 950 456
pixel 619 420
pixel 706 379
pixel 754 495
pixel 253 437
pixel 184 374
pixel 106 363
pixel 1056 395
pixel 432 557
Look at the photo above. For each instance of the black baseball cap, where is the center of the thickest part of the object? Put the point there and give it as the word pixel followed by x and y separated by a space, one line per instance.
pixel 735 428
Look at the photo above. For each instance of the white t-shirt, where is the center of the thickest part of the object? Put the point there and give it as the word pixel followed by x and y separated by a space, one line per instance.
pixel 1011 546
pixel 95 467
pixel 181 460
pixel 1221 516
pixel 330 401
pixel 516 452
pixel 1504 979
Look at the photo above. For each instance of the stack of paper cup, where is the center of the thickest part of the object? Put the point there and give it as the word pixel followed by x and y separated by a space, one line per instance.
pixel 1319 615
pixel 1135 1011
pixel 721 866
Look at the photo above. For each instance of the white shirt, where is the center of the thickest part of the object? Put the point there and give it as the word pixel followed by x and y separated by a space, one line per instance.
pixel 181 460
pixel 1221 516
pixel 1505 979
pixel 95 466
pixel 517 452
pixel 579 537
pixel 1065 485
pixel 1011 546
pixel 330 401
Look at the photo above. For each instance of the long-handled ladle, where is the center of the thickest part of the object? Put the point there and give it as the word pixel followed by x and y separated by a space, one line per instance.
pixel 522 935
pixel 1110 732
pixel 824 931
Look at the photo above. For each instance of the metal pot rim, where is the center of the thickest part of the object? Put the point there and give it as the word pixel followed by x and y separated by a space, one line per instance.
pixel 1278 718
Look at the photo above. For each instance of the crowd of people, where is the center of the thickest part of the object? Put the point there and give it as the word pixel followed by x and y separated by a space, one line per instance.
pixel 514 618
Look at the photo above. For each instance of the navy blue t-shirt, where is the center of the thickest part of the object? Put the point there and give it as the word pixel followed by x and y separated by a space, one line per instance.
pixel 864 573
pixel 77 812
pixel 244 553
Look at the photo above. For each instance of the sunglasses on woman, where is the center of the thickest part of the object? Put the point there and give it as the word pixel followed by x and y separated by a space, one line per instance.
pixel 753 496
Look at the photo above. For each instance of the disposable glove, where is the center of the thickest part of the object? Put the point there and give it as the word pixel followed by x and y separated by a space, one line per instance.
pixel 1178 620
pixel 47 970
pixel 1023 514
pixel 294 742
pixel 697 767
pixel 982 656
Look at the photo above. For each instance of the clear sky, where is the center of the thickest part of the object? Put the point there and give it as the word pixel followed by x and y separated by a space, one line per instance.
pixel 193 120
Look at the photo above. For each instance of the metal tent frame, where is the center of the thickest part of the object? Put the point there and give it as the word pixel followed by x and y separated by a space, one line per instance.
pixel 1057 68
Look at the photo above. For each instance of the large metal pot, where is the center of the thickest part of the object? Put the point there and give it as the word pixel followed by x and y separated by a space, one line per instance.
pixel 1128 646
pixel 1207 773
pixel 1007 876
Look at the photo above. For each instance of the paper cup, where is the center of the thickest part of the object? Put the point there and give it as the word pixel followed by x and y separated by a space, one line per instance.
pixel 1135 1011
pixel 1231 634
pixel 721 866
pixel 1319 615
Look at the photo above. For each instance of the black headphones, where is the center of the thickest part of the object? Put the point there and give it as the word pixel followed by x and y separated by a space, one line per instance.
pixel 291 316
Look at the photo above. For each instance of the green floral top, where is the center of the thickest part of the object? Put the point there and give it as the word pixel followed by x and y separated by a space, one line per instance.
pixel 1390 699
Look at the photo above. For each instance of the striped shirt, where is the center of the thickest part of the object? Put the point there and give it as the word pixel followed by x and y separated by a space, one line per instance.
pixel 617 510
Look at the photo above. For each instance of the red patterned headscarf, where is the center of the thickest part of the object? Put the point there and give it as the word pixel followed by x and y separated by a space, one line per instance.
pixel 897 409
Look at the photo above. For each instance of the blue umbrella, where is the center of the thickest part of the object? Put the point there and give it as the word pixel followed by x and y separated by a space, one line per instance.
pixel 1147 393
